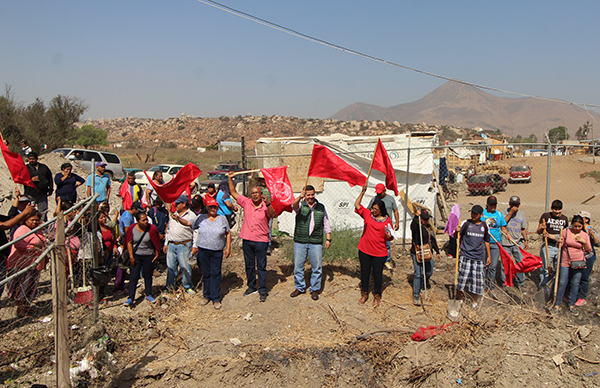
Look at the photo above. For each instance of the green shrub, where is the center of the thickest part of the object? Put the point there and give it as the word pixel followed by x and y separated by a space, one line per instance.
pixel 344 246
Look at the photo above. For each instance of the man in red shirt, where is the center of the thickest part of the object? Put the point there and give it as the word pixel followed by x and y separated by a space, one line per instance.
pixel 255 235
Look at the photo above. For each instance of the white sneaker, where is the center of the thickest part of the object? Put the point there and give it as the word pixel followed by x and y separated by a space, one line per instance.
pixel 190 291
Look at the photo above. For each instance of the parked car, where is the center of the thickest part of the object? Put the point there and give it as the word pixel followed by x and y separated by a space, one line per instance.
pixel 83 157
pixel 224 167
pixel 168 170
pixel 520 173
pixel 216 179
pixel 486 184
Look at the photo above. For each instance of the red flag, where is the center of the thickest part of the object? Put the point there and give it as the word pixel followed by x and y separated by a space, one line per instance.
pixel 278 183
pixel 16 166
pixel 169 191
pixel 529 262
pixel 382 162
pixel 126 195
pixel 325 164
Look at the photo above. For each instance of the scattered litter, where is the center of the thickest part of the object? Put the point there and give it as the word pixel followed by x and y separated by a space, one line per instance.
pixel 591 374
pixel 74 327
pixel 235 341
pixel 248 317
pixel 424 333
pixel 151 333
pixel 459 381
pixel 14 367
pixel 584 331
pixel 242 355
pixel 558 359
pixel 47 319
pixel 96 362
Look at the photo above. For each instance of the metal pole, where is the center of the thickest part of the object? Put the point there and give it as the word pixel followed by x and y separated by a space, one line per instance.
pixel 593 148
pixel 95 263
pixel 244 164
pixel 406 191
pixel 548 177
pixel 59 306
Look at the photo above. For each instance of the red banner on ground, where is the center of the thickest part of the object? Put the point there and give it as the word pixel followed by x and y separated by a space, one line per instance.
pixel 529 262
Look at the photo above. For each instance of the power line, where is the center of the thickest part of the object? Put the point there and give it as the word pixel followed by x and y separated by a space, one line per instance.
pixel 313 39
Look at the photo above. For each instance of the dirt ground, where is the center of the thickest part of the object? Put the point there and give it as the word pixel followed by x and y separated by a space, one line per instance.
pixel 334 341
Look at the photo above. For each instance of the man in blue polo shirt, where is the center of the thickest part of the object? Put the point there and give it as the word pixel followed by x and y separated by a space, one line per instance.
pixel 496 225
pixel 101 183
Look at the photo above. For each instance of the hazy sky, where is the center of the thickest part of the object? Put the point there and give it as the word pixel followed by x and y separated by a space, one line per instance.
pixel 159 59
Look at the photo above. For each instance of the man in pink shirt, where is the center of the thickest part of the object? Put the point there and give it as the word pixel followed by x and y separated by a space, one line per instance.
pixel 255 236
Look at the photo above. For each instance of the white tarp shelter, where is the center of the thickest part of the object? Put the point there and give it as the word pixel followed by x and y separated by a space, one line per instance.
pixel 337 196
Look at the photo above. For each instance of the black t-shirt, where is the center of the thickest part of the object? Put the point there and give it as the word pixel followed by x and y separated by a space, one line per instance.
pixel 554 225
pixel 472 239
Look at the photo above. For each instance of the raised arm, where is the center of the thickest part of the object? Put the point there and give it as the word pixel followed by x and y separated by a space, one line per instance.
pixel 232 189
pixel 360 197
pixel 298 199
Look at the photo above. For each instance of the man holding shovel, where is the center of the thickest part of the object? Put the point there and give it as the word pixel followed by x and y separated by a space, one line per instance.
pixel 550 226
pixel 474 245
pixel 517 234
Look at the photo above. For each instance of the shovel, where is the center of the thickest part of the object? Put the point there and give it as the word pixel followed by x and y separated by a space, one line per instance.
pixel 454 304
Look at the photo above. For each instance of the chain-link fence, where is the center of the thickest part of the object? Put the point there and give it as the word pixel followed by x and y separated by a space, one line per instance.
pixel 439 177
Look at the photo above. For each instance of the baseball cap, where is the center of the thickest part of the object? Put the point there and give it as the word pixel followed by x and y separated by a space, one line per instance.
pixel 211 185
pixel 585 214
pixel 210 201
pixel 379 188
pixel 137 205
pixel 26 198
pixel 514 200
pixel 182 199
pixel 425 214
pixel 100 164
pixel 477 209
pixel 492 200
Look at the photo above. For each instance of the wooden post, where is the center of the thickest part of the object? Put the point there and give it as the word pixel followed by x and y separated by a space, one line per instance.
pixel 59 306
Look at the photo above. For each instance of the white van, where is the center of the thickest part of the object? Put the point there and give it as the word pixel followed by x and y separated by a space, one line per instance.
pixel 83 157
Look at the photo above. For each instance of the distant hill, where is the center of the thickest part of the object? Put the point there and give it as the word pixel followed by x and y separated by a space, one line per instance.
pixel 468 107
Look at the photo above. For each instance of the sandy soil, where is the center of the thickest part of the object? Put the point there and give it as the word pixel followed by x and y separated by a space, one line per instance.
pixel 291 342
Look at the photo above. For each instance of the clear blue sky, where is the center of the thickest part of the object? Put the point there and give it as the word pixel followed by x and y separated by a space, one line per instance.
pixel 159 59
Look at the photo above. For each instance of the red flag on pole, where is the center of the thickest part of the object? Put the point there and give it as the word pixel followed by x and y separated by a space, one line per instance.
pixel 325 164
pixel 172 189
pixel 16 166
pixel 382 162
pixel 280 188
pixel 529 262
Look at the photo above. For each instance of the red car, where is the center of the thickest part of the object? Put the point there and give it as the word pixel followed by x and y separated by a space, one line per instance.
pixel 223 167
pixel 520 173
pixel 486 184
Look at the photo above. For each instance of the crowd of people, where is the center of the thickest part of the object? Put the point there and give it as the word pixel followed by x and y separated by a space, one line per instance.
pixel 198 229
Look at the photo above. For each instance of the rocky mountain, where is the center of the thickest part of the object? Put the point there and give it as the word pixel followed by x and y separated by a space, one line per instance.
pixel 465 106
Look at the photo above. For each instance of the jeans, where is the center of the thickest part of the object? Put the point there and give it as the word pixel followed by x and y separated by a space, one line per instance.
pixel 210 262
pixel 179 254
pixel 255 258
pixel 584 286
pixel 142 263
pixel 315 255
pixel 490 277
pixel 515 252
pixel 388 244
pixel 553 252
pixel 568 276
pixel 370 264
pixel 418 281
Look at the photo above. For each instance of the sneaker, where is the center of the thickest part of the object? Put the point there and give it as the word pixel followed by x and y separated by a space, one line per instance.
pixel 574 311
pixel 128 303
pixel 580 302
pixel 250 291
pixel 389 265
pixel 150 299
pixel 190 291
pixel 204 302
pixel 217 305
pixel 416 301
pixel 263 297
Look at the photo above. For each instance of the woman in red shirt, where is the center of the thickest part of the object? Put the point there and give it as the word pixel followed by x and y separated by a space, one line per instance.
pixel 372 251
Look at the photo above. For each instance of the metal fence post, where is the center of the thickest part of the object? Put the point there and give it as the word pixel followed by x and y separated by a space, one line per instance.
pixel 244 164
pixel 548 177
pixel 59 305
pixel 406 193
pixel 93 244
